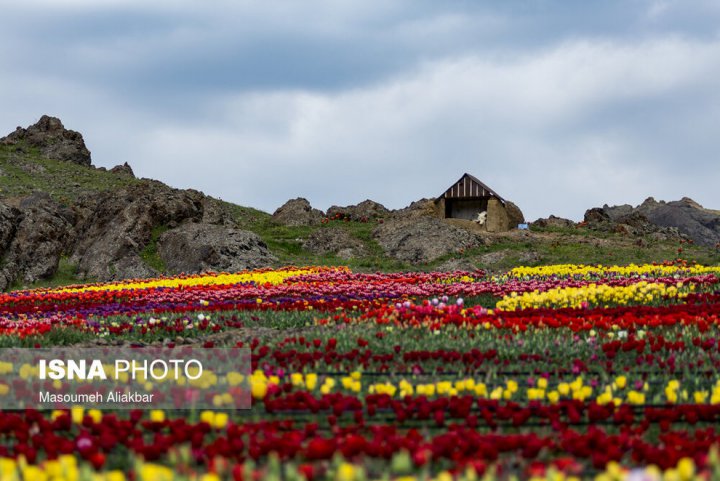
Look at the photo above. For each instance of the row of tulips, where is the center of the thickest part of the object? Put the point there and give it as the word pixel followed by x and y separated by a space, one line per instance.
pixel 503 437
pixel 315 283
pixel 113 317
pixel 67 467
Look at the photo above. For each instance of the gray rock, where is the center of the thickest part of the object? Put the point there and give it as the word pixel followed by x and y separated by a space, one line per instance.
pixel 8 225
pixel 683 219
pixel 9 217
pixel 114 227
pixel 297 212
pixel 203 247
pixel 334 240
pixel 529 257
pixel 422 239
pixel 32 167
pixel 215 212
pixel 364 211
pixel 596 215
pixel 553 222
pixel 123 169
pixel 515 215
pixel 42 232
pixel 419 208
pixel 635 220
pixel 348 253
pixel 618 211
pixel 457 265
pixel 688 217
pixel 492 258
pixel 624 229
pixel 53 139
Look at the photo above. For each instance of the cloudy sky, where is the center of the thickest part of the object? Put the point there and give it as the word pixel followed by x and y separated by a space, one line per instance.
pixel 558 106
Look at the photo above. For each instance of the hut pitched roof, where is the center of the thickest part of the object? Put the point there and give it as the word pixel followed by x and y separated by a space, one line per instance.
pixel 469 186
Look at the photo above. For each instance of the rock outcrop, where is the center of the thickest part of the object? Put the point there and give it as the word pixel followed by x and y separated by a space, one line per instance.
pixel 114 227
pixel 683 219
pixel 422 239
pixel 364 211
pixel 457 265
pixel 336 241
pixel 53 140
pixel 298 212
pixel 33 238
pixel 106 235
pixel 123 169
pixel 419 208
pixel 116 233
pixel 687 216
pixel 515 215
pixel 553 222
pixel 197 247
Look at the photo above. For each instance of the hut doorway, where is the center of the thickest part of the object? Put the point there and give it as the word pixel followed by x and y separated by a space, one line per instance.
pixel 465 208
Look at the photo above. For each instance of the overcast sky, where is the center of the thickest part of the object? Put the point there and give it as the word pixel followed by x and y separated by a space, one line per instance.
pixel 559 106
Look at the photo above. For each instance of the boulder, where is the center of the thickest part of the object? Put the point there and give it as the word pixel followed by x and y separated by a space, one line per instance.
pixel 197 247
pixel 618 211
pixel 688 217
pixel 456 265
pixel 529 257
pixel 114 227
pixel 515 215
pixel 8 225
pixel 554 223
pixel 123 169
pixel 634 219
pixel 216 212
pixel 419 208
pixel 596 216
pixel 336 241
pixel 53 140
pixel 362 212
pixel 42 232
pixel 422 239
pixel 493 258
pixel 683 219
pixel 297 212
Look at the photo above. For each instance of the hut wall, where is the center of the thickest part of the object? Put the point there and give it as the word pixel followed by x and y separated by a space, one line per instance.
pixel 497 217
pixel 440 208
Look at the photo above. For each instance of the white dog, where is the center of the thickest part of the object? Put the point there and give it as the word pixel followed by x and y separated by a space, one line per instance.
pixel 481 218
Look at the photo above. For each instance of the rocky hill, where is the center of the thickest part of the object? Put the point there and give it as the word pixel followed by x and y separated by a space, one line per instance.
pixel 105 224
pixel 685 217
pixel 63 220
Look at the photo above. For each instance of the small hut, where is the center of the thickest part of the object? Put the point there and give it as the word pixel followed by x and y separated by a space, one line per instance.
pixel 472 200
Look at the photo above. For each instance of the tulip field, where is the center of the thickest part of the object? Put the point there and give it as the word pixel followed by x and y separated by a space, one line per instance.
pixel 554 372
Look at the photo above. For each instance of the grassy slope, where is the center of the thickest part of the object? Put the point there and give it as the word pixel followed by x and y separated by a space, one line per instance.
pixel 548 246
pixel 22 172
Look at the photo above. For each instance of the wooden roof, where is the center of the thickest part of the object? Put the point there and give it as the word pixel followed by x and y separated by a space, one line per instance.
pixel 469 187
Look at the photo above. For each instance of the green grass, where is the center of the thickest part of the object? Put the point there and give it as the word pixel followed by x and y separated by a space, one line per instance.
pixel 58 336
pixel 286 242
pixel 66 274
pixel 24 171
pixel 579 246
pixel 150 254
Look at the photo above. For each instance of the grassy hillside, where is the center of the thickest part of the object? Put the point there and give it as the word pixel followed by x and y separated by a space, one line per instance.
pixel 23 171
pixel 506 250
